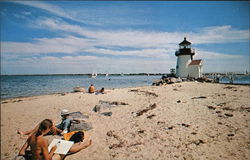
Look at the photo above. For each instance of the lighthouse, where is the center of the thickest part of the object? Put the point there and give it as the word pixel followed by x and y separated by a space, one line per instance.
pixel 186 66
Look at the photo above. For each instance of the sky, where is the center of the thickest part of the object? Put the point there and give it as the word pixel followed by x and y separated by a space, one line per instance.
pixel 78 37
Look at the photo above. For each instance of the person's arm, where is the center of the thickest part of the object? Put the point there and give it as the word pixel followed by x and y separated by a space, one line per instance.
pixel 53 149
pixel 81 145
pixel 55 130
pixel 30 132
pixel 46 154
pixel 23 149
pixel 66 126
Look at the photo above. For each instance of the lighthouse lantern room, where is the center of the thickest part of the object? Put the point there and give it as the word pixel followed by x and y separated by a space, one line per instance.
pixel 186 66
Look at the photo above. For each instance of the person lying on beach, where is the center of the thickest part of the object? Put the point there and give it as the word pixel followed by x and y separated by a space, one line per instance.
pixel 61 128
pixel 79 144
pixel 39 145
pixel 101 91
pixel 91 89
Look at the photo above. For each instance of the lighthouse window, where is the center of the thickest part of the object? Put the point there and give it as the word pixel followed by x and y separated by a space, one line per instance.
pixel 177 67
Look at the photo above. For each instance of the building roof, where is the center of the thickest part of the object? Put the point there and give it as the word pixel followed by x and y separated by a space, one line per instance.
pixel 185 42
pixel 195 62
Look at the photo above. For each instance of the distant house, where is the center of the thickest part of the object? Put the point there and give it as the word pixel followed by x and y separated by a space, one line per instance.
pixel 186 66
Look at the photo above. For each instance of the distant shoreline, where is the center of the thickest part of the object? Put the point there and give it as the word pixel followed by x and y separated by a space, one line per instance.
pixel 89 74
pixel 116 74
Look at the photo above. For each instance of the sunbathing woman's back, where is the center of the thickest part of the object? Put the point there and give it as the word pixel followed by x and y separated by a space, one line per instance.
pixel 36 144
pixel 39 145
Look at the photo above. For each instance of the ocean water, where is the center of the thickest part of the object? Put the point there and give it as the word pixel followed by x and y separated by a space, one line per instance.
pixel 32 85
pixel 237 79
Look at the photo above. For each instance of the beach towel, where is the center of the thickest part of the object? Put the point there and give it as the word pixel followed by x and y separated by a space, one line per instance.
pixel 67 136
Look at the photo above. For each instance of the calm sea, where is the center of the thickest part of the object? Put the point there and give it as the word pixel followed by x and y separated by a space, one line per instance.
pixel 237 79
pixel 22 86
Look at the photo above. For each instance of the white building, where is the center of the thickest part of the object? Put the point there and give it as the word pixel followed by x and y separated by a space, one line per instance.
pixel 186 66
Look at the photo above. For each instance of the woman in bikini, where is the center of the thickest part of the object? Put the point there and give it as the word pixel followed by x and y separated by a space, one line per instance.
pixel 39 145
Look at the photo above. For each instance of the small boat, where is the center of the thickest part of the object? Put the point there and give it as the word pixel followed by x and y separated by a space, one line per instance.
pixel 107 75
pixel 94 75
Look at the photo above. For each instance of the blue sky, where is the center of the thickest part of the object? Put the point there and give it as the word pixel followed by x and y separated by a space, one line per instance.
pixel 41 37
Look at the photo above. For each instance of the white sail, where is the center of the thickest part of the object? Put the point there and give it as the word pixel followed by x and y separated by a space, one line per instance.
pixel 94 75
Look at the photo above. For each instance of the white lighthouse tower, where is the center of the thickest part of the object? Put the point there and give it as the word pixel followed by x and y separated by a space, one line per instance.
pixel 186 66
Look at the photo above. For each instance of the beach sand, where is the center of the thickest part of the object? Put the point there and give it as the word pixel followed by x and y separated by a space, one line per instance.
pixel 186 120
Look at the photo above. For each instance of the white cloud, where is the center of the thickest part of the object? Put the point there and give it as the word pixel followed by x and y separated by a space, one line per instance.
pixel 70 45
pixel 75 45
pixel 127 38
pixel 135 38
pixel 26 13
pixel 159 47
pixel 219 34
pixel 99 15
pixel 48 7
pixel 202 54
pixel 141 43
pixel 19 16
pixel 87 64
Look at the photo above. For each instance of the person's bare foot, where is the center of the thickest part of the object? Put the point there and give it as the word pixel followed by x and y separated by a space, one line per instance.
pixel 90 142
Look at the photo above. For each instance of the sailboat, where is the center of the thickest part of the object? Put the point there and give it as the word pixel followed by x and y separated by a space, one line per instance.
pixel 94 75
pixel 107 75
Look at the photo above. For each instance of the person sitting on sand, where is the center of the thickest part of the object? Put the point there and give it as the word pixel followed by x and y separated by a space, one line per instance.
pixel 61 128
pixel 66 121
pixel 39 145
pixel 91 89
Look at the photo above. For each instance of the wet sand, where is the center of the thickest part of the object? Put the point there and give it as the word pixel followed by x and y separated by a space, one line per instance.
pixel 187 120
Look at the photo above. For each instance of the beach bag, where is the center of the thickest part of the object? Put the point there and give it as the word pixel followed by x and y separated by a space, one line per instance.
pixel 75 136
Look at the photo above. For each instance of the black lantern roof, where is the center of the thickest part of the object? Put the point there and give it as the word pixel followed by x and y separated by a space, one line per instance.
pixel 185 42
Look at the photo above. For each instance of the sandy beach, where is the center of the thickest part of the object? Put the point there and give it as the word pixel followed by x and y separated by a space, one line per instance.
pixel 186 120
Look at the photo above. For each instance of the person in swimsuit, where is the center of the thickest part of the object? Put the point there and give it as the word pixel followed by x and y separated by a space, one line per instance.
pixel 91 89
pixel 39 145
pixel 60 129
